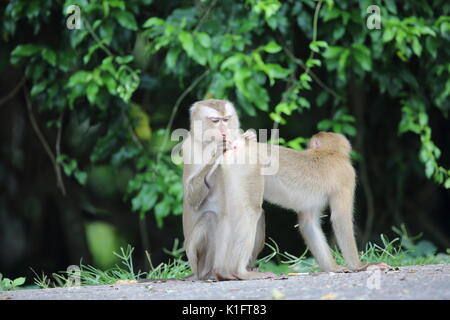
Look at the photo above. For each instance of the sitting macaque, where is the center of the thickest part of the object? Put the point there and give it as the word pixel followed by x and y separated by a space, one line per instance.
pixel 223 221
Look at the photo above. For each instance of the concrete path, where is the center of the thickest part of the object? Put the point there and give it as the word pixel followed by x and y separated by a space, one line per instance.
pixel 416 282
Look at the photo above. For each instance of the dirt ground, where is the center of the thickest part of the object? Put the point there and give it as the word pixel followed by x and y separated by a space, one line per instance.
pixel 415 282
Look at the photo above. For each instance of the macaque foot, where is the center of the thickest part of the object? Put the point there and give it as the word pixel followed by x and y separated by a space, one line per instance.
pixel 375 266
pixel 249 275
pixel 340 269
pixel 255 275
pixel 255 269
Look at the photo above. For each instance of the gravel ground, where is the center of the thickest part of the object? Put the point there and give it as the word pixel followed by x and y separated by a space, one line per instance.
pixel 415 282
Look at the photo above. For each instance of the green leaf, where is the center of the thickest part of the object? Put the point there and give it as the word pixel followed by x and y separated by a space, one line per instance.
pixel 49 56
pixel 389 34
pixel 25 50
pixel 343 62
pixel 91 92
pixel 226 44
pixel 349 130
pixel 431 44
pixel 199 54
pixel 362 54
pixel 126 20
pixel 111 84
pixel 151 195
pixel 391 6
pixel 38 88
pixel 204 39
pixel 81 176
pixel 417 47
pixel 153 21
pixel 333 52
pixel 187 42
pixel 117 4
pixel 161 211
pixel 316 45
pixel 277 118
pixel 19 281
pixel 429 168
pixel 79 77
pixel 313 62
pixel 124 59
pixel 271 47
pixel 447 183
pixel 172 56
pixel 304 103
pixel 276 71
pixel 231 62
pixel 324 125
pixel 322 98
pixel 284 107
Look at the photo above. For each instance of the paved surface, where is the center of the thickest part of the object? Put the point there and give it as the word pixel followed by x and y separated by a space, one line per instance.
pixel 416 282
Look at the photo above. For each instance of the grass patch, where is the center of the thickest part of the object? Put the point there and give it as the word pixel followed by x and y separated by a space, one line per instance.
pixel 401 251
pixel 87 275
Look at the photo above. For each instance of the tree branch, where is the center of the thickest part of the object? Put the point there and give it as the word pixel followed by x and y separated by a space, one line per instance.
pixel 56 166
pixel 203 18
pixel 175 109
pixel 312 74
pixel 13 91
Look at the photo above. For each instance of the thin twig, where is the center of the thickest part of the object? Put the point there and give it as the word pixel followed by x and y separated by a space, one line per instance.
pixel 13 91
pixel 58 153
pixel 316 18
pixel 97 39
pixel 312 74
pixel 175 109
pixel 203 18
pixel 135 139
pixel 44 143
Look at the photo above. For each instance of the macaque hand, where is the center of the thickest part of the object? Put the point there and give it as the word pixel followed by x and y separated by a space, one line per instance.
pixel 249 135
pixel 221 147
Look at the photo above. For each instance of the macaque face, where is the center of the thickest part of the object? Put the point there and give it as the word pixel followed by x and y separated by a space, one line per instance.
pixel 218 122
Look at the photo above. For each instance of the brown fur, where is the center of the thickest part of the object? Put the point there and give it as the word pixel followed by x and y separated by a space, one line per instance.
pixel 307 182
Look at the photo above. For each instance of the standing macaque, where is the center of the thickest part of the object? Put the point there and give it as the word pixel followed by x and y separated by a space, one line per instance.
pixel 307 182
pixel 223 222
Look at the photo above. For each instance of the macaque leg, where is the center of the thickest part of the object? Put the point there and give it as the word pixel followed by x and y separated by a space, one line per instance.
pixel 259 242
pixel 241 244
pixel 311 230
pixel 341 206
pixel 200 246
pixel 234 246
pixel 222 264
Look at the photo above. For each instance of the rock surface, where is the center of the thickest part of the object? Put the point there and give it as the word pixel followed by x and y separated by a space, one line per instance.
pixel 414 282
